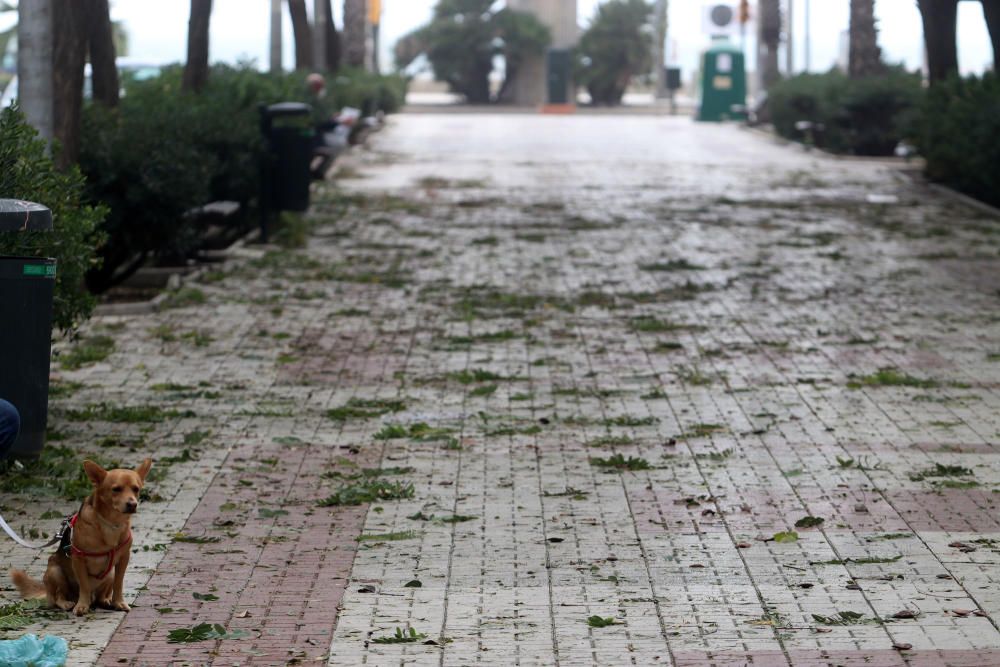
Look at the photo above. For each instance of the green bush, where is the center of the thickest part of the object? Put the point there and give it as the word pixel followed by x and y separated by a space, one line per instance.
pixel 617 46
pixel 163 152
pixel 26 172
pixel 868 116
pixel 958 130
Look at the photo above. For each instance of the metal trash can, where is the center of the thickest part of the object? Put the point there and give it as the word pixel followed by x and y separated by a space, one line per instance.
pixel 290 137
pixel 26 286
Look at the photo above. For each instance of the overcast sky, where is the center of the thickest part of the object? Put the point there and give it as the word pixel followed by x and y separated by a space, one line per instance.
pixel 240 30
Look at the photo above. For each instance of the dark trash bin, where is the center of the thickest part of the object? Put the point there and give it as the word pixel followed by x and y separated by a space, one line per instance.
pixel 290 138
pixel 26 286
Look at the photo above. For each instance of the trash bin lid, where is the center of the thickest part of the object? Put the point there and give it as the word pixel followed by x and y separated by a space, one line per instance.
pixel 24 216
pixel 287 109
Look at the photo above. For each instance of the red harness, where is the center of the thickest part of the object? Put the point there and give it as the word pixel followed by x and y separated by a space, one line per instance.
pixel 110 555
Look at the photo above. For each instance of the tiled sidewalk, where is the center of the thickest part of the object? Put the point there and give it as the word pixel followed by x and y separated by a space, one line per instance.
pixel 618 360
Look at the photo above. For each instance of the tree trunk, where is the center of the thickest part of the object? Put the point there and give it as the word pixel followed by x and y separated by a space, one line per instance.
pixel 321 13
pixel 940 18
pixel 769 39
pixel 34 64
pixel 303 36
pixel 332 40
pixel 865 57
pixel 196 67
pixel 355 20
pixel 69 54
pixel 102 52
pixel 991 12
pixel 275 55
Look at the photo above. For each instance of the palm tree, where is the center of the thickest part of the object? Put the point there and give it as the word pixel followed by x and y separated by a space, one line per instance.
pixel 770 38
pixel 34 63
pixel 865 57
pixel 355 32
pixel 196 67
pixel 991 12
pixel 303 35
pixel 101 43
pixel 940 18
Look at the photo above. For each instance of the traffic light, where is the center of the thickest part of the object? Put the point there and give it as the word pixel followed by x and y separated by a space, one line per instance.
pixel 744 11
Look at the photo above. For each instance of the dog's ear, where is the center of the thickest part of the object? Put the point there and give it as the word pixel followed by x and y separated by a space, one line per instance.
pixel 95 472
pixel 143 469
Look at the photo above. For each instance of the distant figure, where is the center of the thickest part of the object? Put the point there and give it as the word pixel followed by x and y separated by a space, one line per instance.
pixel 10 426
pixel 321 112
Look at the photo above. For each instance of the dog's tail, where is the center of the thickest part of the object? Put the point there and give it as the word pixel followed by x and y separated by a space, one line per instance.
pixel 29 588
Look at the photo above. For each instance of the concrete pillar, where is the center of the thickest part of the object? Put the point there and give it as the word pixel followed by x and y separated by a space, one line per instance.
pixel 531 86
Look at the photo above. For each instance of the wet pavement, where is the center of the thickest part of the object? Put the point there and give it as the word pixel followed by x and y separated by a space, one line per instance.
pixel 585 390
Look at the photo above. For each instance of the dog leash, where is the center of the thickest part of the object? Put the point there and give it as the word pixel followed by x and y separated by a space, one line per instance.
pixel 17 538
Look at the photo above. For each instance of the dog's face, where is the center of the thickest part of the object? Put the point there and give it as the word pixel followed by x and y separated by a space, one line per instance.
pixel 118 489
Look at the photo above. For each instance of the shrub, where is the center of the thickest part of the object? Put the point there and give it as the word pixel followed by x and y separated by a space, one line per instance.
pixel 867 116
pixel 163 152
pixel 26 172
pixel 959 124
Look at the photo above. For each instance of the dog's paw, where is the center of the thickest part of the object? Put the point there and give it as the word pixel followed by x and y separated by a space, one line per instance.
pixel 65 605
pixel 81 609
pixel 120 605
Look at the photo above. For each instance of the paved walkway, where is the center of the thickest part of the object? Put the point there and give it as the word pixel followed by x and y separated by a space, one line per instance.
pixel 620 391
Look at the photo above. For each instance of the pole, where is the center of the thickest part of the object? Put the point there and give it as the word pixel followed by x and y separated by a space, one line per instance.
pixel 789 39
pixel 659 50
pixel 34 64
pixel 319 35
pixel 808 36
pixel 275 36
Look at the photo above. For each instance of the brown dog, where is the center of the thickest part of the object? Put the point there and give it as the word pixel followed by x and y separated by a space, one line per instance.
pixel 90 564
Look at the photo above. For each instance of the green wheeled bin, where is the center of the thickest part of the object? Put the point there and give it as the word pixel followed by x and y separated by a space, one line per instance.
pixel 723 83
pixel 26 289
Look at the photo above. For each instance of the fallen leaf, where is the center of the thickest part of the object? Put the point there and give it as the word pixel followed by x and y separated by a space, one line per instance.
pixel 414 583
pixel 905 613
pixel 244 614
pixel 743 545
pixel 900 646
pixel 367 589
pixel 961 612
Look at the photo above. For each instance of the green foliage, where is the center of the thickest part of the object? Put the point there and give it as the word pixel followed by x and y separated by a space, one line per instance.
pixel 959 123
pixel 401 637
pixel 866 116
pixel 464 37
pixel 203 632
pixel 163 151
pixel 368 491
pixel 617 46
pixel 27 173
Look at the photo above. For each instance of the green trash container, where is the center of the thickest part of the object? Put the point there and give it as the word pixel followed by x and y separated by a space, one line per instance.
pixel 285 172
pixel 723 83
pixel 26 286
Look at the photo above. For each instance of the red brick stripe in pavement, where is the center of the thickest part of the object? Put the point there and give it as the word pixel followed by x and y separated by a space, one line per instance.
pixel 280 578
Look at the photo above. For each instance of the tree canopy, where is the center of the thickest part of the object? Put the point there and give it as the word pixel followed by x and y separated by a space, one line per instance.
pixel 617 46
pixel 464 38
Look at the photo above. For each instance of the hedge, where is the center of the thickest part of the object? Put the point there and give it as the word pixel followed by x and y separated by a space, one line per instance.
pixel 958 129
pixel 163 152
pixel 868 116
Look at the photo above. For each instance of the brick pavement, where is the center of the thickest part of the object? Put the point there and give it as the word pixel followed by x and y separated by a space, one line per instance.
pixel 615 359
